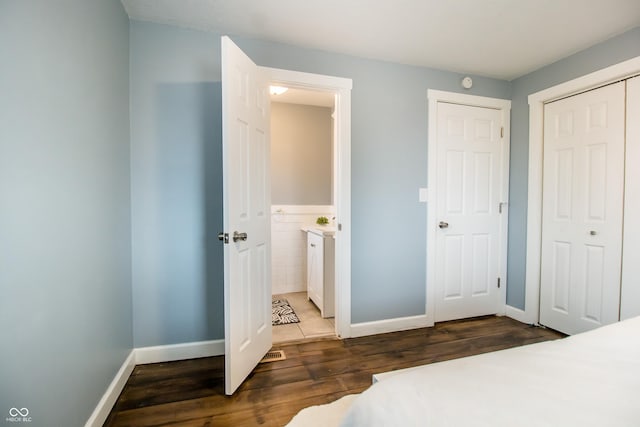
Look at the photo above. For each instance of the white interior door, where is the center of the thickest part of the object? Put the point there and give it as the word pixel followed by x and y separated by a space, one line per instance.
pixel 469 180
pixel 582 206
pixel 246 193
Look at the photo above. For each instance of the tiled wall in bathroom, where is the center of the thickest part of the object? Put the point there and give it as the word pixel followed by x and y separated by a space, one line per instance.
pixel 288 245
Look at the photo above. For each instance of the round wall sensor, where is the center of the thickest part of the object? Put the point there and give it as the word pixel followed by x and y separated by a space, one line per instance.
pixel 467 82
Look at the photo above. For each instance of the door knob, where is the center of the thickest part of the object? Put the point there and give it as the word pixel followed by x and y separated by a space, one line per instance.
pixel 593 232
pixel 239 236
pixel 223 237
pixel 443 224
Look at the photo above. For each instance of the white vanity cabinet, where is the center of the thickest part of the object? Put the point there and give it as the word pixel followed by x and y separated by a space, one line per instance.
pixel 320 271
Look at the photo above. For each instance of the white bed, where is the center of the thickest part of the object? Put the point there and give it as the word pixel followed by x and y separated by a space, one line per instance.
pixel 590 379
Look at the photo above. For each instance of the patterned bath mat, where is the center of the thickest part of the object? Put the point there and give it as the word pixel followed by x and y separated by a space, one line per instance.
pixel 282 313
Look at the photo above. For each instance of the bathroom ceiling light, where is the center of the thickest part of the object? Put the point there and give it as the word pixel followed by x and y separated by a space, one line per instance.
pixel 277 90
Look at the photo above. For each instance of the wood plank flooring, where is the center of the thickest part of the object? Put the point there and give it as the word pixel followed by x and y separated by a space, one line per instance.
pixel 190 393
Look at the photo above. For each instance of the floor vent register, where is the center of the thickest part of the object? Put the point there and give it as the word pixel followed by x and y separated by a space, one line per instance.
pixel 273 356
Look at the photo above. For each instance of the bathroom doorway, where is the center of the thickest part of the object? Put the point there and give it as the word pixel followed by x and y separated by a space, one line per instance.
pixel 246 194
pixel 303 213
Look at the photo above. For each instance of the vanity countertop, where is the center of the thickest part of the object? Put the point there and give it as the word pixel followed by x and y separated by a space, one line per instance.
pixel 321 230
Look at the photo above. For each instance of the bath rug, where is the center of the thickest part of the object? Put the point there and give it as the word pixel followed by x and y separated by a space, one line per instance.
pixel 282 313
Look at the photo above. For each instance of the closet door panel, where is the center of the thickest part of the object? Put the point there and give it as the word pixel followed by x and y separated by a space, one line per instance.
pixel 583 187
pixel 630 298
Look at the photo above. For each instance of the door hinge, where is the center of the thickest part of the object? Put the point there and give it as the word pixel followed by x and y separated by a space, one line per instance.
pixel 339 227
pixel 502 132
pixel 498 283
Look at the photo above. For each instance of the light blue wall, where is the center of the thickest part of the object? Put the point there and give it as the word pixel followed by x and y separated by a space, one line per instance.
pixel 65 205
pixel 613 51
pixel 176 185
pixel 389 164
pixel 177 180
pixel 65 275
pixel 78 205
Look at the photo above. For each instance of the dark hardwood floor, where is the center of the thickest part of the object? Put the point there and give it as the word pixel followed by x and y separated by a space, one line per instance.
pixel 191 392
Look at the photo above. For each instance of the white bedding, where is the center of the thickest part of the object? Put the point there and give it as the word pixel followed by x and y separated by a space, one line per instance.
pixel 590 379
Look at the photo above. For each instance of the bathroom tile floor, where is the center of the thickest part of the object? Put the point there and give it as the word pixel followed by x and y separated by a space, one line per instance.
pixel 311 325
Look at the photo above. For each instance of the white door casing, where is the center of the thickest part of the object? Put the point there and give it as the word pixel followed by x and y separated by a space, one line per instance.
pixel 247 201
pixel 582 203
pixel 468 192
pixel 341 87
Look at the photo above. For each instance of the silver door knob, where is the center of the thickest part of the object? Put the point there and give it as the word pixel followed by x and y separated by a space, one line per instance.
pixel 223 237
pixel 443 224
pixel 239 236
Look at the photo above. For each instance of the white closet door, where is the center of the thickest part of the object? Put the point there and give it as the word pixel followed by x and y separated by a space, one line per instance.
pixel 630 299
pixel 582 200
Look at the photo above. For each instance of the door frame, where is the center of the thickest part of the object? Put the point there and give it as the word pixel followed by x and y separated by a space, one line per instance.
pixel 620 71
pixel 504 105
pixel 341 87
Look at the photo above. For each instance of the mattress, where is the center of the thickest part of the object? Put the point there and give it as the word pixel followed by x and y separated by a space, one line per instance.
pixel 589 379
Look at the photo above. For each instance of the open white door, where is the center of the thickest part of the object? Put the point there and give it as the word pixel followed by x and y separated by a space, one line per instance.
pixel 246 194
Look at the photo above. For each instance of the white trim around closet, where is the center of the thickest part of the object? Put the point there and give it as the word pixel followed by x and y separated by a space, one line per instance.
pixel 537 100
pixel 630 288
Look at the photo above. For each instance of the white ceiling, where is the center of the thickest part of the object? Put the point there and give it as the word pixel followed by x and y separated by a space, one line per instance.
pixel 504 39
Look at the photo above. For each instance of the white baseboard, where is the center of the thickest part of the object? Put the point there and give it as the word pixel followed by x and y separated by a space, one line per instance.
pixel 280 289
pixel 169 353
pixel 517 314
pixel 102 410
pixel 142 355
pixel 389 325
